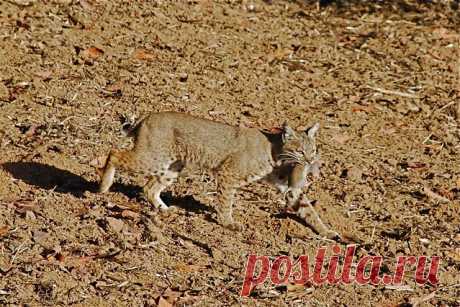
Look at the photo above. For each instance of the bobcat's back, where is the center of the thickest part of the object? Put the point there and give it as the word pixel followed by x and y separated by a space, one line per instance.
pixel 199 141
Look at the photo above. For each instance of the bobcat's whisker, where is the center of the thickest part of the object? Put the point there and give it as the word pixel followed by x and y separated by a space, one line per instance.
pixel 295 161
pixel 288 158
pixel 290 155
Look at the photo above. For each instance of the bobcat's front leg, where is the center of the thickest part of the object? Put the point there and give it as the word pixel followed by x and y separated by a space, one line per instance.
pixel 227 183
pixel 225 196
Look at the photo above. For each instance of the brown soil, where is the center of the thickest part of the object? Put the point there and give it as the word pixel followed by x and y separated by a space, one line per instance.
pixel 383 80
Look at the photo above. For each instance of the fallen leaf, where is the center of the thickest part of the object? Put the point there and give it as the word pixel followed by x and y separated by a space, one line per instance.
pixel 356 98
pixel 44 74
pixel 424 241
pixel 188 268
pixel 25 206
pixel 279 54
pixel 32 130
pixel 125 206
pixel 457 237
pixel 4 92
pixel 428 192
pixel 86 5
pixel 341 138
pixel 366 109
pixel 60 257
pixel 92 53
pixel 130 214
pixel 129 206
pixel 117 225
pixel 30 215
pixel 23 2
pixel 4 230
pixel 416 165
pixel 171 296
pixel 41 238
pixel 117 86
pixel 458 182
pixel 108 252
pixel 394 303
pixel 350 238
pixel 446 193
pixel 143 54
pixel 355 173
pixel 445 33
pixel 388 130
pixel 454 254
pixel 78 261
pixel 295 287
pixel 215 112
pixel 22 84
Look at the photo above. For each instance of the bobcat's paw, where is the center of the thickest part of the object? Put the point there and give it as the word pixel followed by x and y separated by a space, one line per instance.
pixel 163 207
pixel 157 203
pixel 103 189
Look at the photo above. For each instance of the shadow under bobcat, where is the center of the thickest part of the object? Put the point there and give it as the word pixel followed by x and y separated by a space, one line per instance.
pixel 49 177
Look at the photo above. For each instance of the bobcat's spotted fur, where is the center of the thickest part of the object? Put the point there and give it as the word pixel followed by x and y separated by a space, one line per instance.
pixel 166 142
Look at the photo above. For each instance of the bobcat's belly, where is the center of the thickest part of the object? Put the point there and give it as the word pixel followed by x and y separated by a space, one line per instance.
pixel 200 158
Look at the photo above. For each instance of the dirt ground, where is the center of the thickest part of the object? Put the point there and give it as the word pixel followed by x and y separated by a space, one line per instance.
pixel 382 78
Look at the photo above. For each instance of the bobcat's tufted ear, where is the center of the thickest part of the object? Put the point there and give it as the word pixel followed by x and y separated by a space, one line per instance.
pixel 288 132
pixel 311 132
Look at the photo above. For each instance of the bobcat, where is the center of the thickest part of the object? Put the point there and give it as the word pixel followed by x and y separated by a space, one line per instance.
pixel 167 142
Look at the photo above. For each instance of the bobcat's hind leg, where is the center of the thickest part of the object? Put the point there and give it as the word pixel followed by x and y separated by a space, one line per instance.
pixel 114 159
pixel 159 181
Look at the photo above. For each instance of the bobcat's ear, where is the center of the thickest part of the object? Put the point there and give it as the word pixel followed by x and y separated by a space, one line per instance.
pixel 288 132
pixel 311 132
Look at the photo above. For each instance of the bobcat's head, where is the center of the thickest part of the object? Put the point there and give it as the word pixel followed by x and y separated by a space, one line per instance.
pixel 299 147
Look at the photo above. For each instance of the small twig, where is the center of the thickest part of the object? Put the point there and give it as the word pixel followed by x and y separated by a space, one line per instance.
pixel 126 282
pixel 427 138
pixel 319 238
pixel 21 3
pixel 399 288
pixel 447 105
pixel 66 119
pixel 17 252
pixel 372 235
pixel 448 287
pixel 390 92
